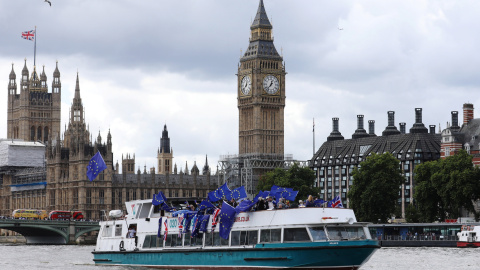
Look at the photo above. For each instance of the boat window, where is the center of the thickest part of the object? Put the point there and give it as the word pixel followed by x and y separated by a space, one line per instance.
pixel 155 211
pixel 295 235
pixel 244 238
pixel 155 241
pixel 346 233
pixel 214 240
pixel 193 241
pixel 356 233
pixel 270 236
pixel 318 233
pixel 173 241
pixel 118 230
pixel 144 210
pixel 107 231
pixel 337 233
pixel 146 242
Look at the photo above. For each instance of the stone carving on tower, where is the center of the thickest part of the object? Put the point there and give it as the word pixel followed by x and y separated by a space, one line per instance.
pixel 34 113
pixel 261 91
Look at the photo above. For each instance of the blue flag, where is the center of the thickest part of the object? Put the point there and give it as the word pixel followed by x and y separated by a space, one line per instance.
pixel 95 166
pixel 319 203
pixel 227 218
pixel 288 194
pixel 274 190
pixel 260 193
pixel 205 205
pixel 196 225
pixel 244 206
pixel 159 198
pixel 219 193
pixel 204 223
pixel 188 220
pixel 237 193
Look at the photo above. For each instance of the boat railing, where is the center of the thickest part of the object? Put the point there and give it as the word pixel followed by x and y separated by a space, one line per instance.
pixel 419 237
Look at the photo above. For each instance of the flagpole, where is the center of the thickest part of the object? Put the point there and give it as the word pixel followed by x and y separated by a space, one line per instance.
pixel 314 136
pixel 35 47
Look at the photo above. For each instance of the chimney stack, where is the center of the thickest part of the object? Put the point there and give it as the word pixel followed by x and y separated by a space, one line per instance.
pixel 371 127
pixel 418 127
pixel 455 126
pixel 467 113
pixel 360 132
pixel 335 134
pixel 432 129
pixel 391 129
pixel 402 127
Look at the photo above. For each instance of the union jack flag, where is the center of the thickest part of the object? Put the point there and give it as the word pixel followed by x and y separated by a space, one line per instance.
pixel 215 218
pixel 29 35
pixel 166 230
pixel 335 203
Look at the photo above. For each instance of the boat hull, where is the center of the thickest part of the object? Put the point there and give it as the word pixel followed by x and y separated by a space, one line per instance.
pixel 315 255
pixel 468 244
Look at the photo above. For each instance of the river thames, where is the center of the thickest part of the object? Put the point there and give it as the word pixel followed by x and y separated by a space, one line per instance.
pixel 23 257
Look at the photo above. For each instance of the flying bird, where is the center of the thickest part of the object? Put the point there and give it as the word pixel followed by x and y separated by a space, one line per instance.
pixel 338 27
pixel 50 3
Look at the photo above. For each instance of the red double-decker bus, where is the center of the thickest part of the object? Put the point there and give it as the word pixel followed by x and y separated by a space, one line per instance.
pixel 75 215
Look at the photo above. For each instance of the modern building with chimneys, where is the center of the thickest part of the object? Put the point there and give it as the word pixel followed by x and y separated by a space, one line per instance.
pixel 335 160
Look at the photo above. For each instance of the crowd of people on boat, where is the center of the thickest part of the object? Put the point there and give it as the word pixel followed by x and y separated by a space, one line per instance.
pixel 268 203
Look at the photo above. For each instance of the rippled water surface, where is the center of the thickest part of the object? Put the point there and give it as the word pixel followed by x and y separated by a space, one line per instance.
pixel 23 257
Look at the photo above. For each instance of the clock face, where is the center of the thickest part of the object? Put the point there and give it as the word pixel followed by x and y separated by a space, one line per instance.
pixel 270 84
pixel 246 85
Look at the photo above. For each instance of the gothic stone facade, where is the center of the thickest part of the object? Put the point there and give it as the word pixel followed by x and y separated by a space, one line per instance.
pixel 261 92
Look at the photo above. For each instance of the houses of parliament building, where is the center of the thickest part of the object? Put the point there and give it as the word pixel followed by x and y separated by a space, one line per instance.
pixel 59 181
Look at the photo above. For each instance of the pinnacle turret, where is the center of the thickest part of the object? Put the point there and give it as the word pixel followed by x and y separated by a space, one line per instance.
pixel 12 75
pixel 261 18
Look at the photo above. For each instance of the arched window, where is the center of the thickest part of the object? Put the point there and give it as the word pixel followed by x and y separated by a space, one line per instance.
pixel 467 148
pixel 32 133
pixel 39 133
pixel 45 134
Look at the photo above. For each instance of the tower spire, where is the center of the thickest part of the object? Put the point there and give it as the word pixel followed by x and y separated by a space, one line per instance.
pixel 261 18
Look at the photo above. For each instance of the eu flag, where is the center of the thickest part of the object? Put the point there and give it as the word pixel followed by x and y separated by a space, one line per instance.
pixel 205 205
pixel 204 224
pixel 219 193
pixel 227 218
pixel 159 198
pixel 244 206
pixel 237 193
pixel 95 166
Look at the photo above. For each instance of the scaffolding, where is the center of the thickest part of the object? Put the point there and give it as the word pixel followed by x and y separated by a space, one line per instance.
pixel 246 169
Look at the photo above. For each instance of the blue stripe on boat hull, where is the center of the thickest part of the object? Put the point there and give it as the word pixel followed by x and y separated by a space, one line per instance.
pixel 347 255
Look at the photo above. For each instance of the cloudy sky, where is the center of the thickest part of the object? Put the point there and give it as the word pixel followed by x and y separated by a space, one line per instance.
pixel 143 64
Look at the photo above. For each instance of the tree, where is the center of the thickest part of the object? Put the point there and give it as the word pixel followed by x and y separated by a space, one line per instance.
pixel 445 186
pixel 298 178
pixel 376 184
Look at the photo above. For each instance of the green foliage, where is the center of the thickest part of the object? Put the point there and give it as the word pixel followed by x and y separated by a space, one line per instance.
pixel 445 186
pixel 300 179
pixel 411 214
pixel 376 184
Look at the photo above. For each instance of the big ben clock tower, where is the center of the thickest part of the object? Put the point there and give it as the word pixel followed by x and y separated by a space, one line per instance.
pixel 261 92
